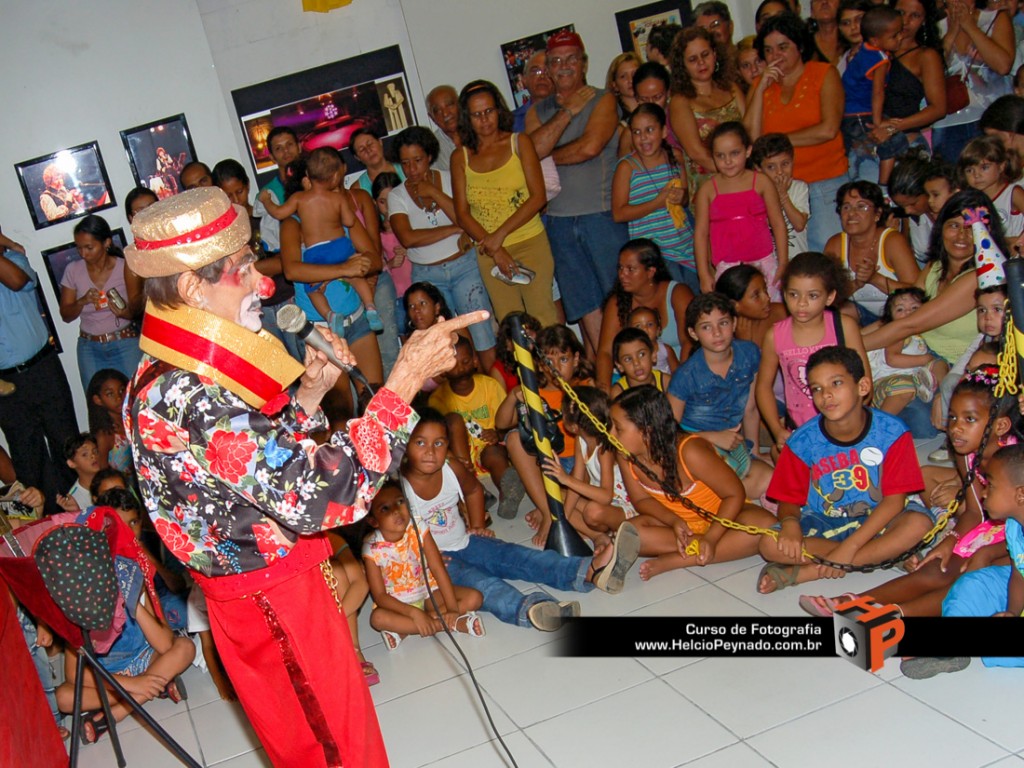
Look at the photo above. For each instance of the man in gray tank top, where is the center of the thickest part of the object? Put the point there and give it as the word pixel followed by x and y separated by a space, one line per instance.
pixel 578 126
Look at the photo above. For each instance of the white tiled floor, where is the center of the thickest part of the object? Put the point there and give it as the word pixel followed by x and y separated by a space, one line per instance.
pixel 702 713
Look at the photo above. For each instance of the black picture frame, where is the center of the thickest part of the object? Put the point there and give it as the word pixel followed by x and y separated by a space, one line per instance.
pixel 324 106
pixel 89 189
pixel 516 53
pixel 635 24
pixel 56 259
pixel 151 169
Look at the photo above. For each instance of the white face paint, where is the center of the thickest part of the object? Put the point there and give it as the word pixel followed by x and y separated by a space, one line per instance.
pixel 250 313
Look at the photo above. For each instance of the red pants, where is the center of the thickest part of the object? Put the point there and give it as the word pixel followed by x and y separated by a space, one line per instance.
pixel 286 646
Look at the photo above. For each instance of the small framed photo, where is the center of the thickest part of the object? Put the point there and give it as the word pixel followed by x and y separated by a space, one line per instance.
pixel 517 53
pixel 65 185
pixel 635 24
pixel 57 259
pixel 157 152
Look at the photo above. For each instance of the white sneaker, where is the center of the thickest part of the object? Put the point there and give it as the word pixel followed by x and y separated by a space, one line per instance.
pixel 939 456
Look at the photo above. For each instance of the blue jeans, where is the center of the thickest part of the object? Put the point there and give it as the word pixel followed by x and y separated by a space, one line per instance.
pixel 484 564
pixel 683 274
pixel 122 355
pixel 950 141
pixel 41 661
pixel 586 251
pixel 824 221
pixel 460 284
pixel 860 150
pixel 917 415
pixel 384 297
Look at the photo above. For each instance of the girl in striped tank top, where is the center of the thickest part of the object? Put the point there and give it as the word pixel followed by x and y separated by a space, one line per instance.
pixel 649 192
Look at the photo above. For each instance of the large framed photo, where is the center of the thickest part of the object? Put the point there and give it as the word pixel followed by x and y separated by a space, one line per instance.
pixel 635 24
pixel 326 105
pixel 157 152
pixel 517 53
pixel 65 185
pixel 57 259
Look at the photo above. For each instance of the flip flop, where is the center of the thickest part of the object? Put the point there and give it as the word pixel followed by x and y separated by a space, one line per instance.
pixel 370 673
pixel 474 624
pixel 175 691
pixel 391 639
pixel 98 721
pixel 781 575
pixel 625 549
pixel 819 605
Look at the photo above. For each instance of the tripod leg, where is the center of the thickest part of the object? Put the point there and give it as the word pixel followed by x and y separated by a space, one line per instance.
pixel 147 718
pixel 76 712
pixel 115 740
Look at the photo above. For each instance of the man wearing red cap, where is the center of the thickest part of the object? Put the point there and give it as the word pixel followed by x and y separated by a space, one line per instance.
pixel 239 492
pixel 577 126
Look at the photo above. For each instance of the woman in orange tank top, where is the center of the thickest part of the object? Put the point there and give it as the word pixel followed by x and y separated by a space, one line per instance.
pixel 642 421
pixel 804 100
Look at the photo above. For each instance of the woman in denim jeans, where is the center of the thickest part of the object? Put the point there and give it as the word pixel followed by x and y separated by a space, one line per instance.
pixel 422 212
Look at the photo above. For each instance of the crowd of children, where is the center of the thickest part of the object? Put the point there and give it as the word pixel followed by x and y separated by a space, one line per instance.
pixel 737 376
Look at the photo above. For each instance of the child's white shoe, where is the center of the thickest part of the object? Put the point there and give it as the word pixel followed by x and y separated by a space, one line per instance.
pixel 471 624
pixel 391 639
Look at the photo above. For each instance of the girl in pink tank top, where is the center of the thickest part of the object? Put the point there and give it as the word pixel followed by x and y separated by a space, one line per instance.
pixel 738 214
pixel 811 284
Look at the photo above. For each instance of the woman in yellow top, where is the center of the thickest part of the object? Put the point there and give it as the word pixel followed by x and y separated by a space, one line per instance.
pixel 499 193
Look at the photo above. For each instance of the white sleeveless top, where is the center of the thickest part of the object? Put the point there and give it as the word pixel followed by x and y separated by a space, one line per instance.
pixel 441 513
pixel 620 498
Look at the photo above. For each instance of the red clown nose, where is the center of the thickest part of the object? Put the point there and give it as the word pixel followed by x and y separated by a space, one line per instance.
pixel 266 288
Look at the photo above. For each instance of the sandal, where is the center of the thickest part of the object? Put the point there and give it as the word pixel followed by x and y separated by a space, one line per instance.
pixel 95 719
pixel 611 576
pixel 175 691
pixel 391 639
pixel 782 576
pixel 819 605
pixel 370 673
pixel 473 623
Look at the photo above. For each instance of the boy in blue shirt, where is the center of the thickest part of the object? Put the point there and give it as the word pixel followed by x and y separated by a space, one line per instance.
pixel 844 481
pixel 712 393
pixel 864 86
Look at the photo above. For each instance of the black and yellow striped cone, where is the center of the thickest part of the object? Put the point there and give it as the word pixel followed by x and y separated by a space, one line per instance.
pixel 1015 292
pixel 562 537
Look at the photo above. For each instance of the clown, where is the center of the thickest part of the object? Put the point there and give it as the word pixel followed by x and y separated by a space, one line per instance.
pixel 239 492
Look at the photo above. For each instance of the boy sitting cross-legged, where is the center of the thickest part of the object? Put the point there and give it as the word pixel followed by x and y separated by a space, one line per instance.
pixel 843 481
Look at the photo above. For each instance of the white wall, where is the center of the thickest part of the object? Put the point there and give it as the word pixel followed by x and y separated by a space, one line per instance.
pixel 81 72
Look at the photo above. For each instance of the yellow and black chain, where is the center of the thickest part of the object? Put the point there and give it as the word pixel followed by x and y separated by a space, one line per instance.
pixel 756 530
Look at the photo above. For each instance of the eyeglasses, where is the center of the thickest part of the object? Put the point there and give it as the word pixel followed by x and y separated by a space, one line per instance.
pixel 537 71
pixel 570 61
pixel 713 25
pixel 859 207
pixel 483 113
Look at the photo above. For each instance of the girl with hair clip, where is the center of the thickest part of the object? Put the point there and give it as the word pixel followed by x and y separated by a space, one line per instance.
pixel 986 165
pixel 643 422
pixel 649 193
pixel 101 290
pixel 979 424
pixel 564 353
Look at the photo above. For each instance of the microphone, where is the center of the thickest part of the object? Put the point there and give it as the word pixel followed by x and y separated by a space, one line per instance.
pixel 292 319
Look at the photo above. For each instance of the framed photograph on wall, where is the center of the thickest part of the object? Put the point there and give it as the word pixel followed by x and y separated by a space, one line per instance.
pixel 57 258
pixel 635 24
pixel 157 152
pixel 65 185
pixel 326 105
pixel 517 53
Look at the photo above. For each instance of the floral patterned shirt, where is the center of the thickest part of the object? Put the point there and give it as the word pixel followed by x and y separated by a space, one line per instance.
pixel 230 488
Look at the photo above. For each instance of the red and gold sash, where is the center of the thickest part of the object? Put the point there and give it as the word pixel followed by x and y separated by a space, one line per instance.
pixel 254 366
